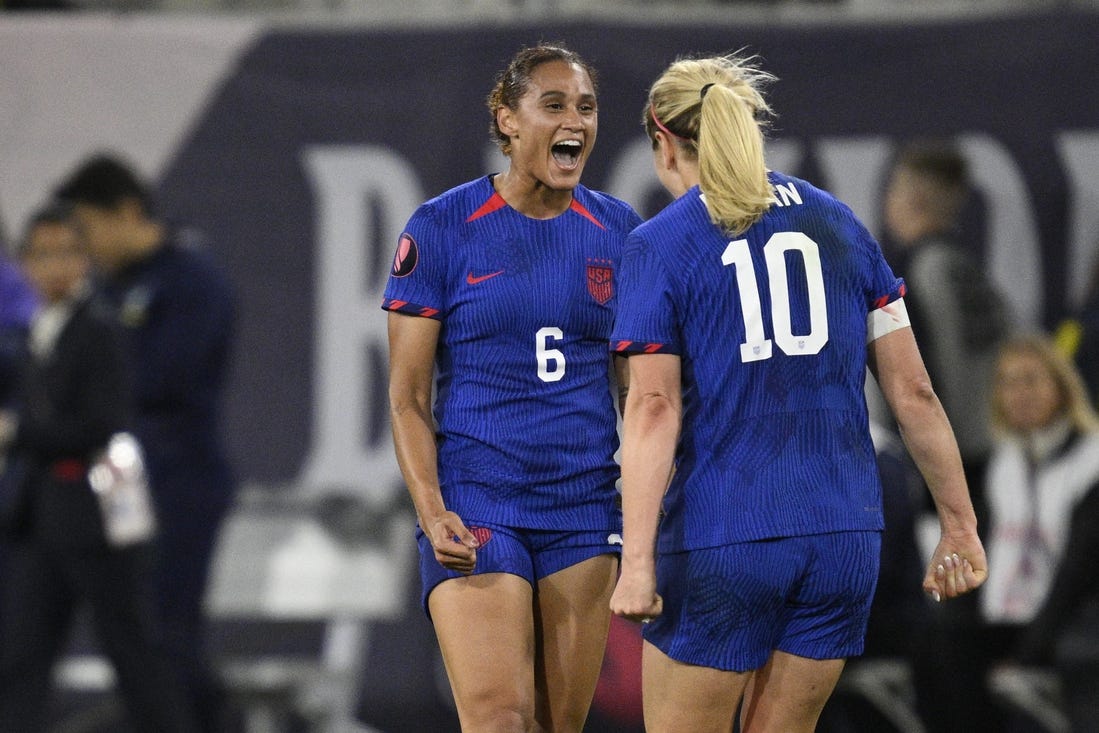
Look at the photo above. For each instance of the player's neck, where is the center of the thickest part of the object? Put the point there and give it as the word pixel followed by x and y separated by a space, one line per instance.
pixel 531 197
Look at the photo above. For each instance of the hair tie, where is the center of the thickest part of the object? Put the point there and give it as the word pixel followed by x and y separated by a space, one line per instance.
pixel 652 111
pixel 705 88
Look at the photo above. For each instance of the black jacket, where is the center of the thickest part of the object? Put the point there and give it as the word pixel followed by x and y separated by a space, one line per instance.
pixel 70 402
pixel 1073 594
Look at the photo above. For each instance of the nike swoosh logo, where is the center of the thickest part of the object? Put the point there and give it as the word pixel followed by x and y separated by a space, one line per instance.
pixel 473 280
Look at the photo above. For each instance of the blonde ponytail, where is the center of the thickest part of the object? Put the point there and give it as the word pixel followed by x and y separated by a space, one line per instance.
pixel 712 107
pixel 732 172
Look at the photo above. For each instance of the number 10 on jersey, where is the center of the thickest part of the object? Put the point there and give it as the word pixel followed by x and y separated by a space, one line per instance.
pixel 757 346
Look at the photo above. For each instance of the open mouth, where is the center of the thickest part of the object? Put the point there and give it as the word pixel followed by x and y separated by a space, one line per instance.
pixel 567 153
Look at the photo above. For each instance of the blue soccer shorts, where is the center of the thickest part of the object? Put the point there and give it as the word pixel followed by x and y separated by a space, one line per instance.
pixel 729 607
pixel 529 553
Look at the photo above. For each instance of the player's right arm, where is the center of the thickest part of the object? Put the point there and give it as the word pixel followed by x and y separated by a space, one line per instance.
pixel 654 413
pixel 645 329
pixel 412 344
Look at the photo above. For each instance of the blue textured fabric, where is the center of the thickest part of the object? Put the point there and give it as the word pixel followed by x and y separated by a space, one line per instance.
pixel 17 304
pixel 524 406
pixel 529 554
pixel 729 607
pixel 771 328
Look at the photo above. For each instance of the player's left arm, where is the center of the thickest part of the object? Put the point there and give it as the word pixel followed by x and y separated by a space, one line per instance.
pixel 959 564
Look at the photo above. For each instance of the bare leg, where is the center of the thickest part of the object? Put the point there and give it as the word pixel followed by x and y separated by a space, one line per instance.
pixel 485 628
pixel 682 698
pixel 573 616
pixel 788 694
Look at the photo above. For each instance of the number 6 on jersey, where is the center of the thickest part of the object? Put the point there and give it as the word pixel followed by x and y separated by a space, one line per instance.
pixel 551 362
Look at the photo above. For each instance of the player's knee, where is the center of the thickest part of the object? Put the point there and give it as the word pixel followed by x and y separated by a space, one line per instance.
pixel 568 722
pixel 499 718
pixel 503 720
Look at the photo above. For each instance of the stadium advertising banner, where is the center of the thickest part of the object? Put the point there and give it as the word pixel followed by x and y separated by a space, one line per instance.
pixel 299 152
pixel 308 160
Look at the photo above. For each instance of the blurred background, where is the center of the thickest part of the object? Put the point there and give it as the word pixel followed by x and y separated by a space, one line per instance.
pixel 295 137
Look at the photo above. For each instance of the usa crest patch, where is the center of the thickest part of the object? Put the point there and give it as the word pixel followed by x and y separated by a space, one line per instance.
pixel 600 280
pixel 483 535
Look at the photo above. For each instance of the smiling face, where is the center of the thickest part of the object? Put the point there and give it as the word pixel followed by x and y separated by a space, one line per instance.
pixel 553 128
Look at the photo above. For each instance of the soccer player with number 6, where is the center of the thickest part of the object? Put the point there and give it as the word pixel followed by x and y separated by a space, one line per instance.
pixel 750 309
pixel 501 297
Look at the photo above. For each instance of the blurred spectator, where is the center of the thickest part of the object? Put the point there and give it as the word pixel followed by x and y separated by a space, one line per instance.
pixel 17 304
pixel 1065 632
pixel 178 309
pixel 897 683
pixel 958 317
pixel 1045 461
pixel 74 394
pixel 900 605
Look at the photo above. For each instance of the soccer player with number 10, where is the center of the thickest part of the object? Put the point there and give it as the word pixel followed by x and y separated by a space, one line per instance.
pixel 750 309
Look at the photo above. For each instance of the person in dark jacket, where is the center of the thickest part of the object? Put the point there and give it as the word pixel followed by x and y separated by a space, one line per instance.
pixel 73 399
pixel 17 304
pixel 1064 635
pixel 958 314
pixel 178 310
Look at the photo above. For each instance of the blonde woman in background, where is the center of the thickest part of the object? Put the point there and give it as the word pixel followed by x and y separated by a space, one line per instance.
pixel 1040 496
pixel 1045 458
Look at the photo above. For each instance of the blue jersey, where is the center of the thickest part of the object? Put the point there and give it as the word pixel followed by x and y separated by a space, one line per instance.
pixel 526 420
pixel 771 328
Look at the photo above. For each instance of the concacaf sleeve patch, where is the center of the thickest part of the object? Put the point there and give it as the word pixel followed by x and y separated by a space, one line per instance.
pixel 407 257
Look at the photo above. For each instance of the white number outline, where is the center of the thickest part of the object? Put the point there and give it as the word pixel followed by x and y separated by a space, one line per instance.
pixel 546 355
pixel 757 346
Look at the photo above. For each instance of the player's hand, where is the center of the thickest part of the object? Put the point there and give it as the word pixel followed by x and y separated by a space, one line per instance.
pixel 635 596
pixel 957 567
pixel 455 546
